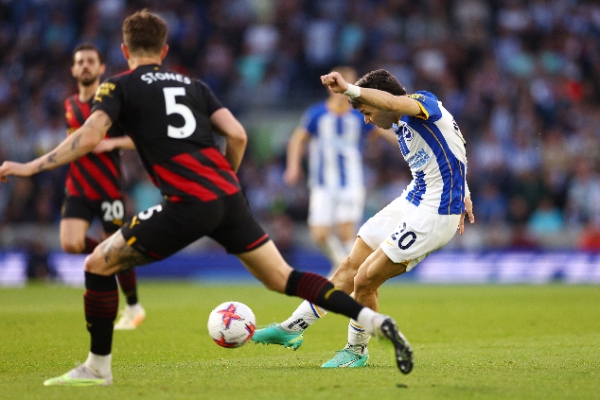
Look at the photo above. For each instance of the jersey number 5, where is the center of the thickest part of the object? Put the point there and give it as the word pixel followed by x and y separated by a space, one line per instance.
pixel 173 107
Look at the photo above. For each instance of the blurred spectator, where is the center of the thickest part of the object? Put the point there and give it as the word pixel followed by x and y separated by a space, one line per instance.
pixel 546 219
pixel 583 194
pixel 589 239
pixel 491 204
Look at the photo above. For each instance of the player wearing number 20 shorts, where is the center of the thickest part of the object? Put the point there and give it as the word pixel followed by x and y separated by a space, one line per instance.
pixel 425 216
pixel 94 182
pixel 423 219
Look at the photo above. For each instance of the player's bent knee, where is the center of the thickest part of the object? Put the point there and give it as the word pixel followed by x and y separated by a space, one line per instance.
pixel 363 285
pixel 74 247
pixel 96 264
pixel 320 240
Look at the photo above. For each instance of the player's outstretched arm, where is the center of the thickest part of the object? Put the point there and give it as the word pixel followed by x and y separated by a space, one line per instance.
pixel 224 123
pixel 295 152
pixel 373 97
pixel 79 143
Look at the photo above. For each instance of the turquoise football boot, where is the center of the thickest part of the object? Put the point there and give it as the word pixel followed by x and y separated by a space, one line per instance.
pixel 347 359
pixel 274 334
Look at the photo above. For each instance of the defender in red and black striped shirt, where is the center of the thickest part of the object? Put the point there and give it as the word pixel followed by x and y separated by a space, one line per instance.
pixel 94 184
pixel 170 118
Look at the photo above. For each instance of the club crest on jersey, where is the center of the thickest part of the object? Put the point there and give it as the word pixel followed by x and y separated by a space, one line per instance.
pixel 405 131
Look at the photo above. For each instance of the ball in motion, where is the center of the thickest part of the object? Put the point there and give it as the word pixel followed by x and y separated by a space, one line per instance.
pixel 231 324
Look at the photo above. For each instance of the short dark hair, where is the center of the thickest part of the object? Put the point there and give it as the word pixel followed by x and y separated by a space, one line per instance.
pixel 379 79
pixel 145 32
pixel 88 46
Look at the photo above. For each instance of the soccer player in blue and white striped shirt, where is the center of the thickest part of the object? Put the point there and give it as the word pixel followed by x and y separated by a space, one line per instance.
pixel 424 218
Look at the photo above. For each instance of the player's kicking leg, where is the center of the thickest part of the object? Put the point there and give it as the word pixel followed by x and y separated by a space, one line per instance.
pixel 289 333
pixel 376 270
pixel 267 265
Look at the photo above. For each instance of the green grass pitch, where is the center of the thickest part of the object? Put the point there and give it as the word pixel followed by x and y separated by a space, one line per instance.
pixel 470 342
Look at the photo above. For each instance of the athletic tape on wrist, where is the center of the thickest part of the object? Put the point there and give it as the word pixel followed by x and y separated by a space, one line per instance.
pixel 353 91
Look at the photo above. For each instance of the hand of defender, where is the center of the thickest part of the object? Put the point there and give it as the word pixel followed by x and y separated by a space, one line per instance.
pixel 469 212
pixel 11 168
pixel 334 82
pixel 104 146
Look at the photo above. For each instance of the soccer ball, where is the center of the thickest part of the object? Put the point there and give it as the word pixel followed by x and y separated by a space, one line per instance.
pixel 231 324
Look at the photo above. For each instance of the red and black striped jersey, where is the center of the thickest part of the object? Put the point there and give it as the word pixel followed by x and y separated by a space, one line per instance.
pixel 93 176
pixel 167 115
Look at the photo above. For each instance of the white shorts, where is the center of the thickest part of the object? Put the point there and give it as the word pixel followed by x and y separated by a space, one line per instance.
pixel 331 207
pixel 407 233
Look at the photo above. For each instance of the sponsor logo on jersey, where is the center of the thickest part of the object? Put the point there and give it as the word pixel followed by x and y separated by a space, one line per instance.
pixel 104 90
pixel 418 159
pixel 417 96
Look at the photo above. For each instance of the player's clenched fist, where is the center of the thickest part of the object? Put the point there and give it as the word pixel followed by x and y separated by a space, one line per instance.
pixel 10 168
pixel 334 82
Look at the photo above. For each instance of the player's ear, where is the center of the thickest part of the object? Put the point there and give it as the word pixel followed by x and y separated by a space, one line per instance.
pixel 125 51
pixel 164 52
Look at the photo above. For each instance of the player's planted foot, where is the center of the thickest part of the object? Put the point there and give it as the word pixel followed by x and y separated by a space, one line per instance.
pixel 347 358
pixel 274 334
pixel 131 318
pixel 80 376
pixel 404 356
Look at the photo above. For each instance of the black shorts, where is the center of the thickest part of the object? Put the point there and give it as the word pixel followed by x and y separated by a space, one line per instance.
pixel 166 228
pixel 110 212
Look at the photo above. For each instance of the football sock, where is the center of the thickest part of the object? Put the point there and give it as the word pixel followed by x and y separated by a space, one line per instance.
pixel 128 282
pixel 369 320
pixel 336 251
pixel 101 303
pixel 305 315
pixel 357 337
pixel 90 245
pixel 318 290
pixel 99 364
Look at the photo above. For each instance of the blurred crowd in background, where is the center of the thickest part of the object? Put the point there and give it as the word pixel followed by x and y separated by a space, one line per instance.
pixel 521 77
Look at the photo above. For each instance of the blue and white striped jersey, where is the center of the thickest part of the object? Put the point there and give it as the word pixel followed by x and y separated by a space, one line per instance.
pixel 434 149
pixel 335 149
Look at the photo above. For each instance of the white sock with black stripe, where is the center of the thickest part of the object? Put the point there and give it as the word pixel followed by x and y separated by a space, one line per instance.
pixel 357 337
pixel 305 315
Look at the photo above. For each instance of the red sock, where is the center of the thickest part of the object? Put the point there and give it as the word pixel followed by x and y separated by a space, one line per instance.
pixel 101 303
pixel 128 282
